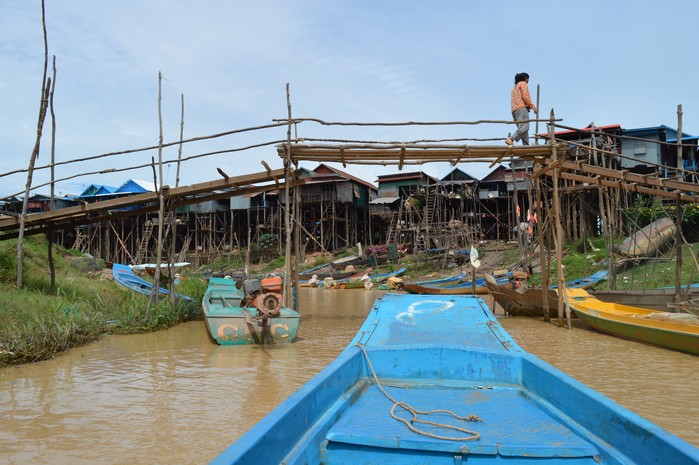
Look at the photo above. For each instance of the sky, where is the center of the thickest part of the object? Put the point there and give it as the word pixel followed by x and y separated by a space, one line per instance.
pixel 622 62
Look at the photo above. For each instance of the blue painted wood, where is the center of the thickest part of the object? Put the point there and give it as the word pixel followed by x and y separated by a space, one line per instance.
pixel 124 276
pixel 449 352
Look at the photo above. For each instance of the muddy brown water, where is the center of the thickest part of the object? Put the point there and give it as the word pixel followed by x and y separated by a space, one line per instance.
pixel 176 397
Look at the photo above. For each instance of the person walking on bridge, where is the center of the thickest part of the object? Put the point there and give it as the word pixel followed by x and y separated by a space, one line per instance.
pixel 521 104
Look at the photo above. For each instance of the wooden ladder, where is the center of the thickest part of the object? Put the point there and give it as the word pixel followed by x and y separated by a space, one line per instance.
pixel 143 245
pixel 79 240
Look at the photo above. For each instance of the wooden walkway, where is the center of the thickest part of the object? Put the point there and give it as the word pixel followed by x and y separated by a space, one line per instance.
pixel 133 205
pixel 418 154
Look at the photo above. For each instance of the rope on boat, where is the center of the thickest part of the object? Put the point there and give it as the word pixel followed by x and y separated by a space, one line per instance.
pixel 472 435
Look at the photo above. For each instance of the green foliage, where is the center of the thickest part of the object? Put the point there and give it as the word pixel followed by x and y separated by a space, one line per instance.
pixel 274 264
pixel 646 210
pixel 36 322
pixel 267 242
pixel 660 274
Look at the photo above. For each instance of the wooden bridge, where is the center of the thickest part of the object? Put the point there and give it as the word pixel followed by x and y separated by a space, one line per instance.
pixel 139 204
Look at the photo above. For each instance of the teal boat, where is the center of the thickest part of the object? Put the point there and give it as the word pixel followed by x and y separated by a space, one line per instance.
pixel 436 380
pixel 250 315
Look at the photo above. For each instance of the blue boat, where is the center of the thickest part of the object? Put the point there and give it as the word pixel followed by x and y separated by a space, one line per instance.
pixel 253 315
pixel 124 276
pixel 437 380
pixel 586 282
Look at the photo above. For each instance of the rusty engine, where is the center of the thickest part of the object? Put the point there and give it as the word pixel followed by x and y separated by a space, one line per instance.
pixel 264 295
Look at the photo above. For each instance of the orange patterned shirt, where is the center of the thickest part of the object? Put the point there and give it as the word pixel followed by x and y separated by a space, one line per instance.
pixel 520 97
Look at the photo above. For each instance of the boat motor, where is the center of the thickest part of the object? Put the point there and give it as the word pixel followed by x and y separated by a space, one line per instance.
pixel 264 295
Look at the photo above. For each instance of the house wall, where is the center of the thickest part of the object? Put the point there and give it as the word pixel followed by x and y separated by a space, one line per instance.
pixel 393 188
pixel 642 153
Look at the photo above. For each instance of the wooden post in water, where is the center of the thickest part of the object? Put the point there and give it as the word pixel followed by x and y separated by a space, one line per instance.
pixel 678 211
pixel 559 227
pixel 287 209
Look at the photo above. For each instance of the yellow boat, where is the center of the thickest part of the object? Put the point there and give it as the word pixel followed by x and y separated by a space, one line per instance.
pixel 679 331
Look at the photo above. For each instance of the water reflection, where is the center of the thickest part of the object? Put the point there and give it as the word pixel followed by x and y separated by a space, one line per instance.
pixel 176 397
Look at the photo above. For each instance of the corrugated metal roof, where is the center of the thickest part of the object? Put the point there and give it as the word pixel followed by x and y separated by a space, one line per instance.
pixel 384 200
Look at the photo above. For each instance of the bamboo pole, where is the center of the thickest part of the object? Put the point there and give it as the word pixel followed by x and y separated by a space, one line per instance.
pixel 540 196
pixel 50 233
pixel 678 212
pixel 173 242
pixel 45 89
pixel 287 215
pixel 536 131
pixel 559 230
pixel 161 196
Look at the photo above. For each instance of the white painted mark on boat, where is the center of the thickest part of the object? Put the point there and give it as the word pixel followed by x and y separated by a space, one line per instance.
pixel 436 306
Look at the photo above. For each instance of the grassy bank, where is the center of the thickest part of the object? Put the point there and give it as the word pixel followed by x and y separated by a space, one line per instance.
pixel 37 322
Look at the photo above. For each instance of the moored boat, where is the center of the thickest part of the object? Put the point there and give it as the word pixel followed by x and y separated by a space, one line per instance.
pixel 124 276
pixel 460 288
pixel 414 287
pixel 409 389
pixel 679 331
pixel 650 299
pixel 367 281
pixel 251 315
pixel 529 301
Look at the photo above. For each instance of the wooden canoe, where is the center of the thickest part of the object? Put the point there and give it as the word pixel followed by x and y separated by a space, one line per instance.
pixel 528 301
pixel 524 301
pixel 655 237
pixel 415 286
pixel 679 331
pixel 476 397
pixel 460 288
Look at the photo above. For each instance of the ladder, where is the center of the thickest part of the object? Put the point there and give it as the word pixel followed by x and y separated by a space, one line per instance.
pixel 420 243
pixel 79 240
pixel 143 245
pixel 430 204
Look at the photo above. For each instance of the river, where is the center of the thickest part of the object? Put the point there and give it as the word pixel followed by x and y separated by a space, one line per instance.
pixel 176 397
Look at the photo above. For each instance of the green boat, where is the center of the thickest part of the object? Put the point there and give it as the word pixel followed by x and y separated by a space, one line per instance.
pixel 250 315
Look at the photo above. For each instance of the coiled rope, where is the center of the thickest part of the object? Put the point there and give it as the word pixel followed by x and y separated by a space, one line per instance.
pixel 472 435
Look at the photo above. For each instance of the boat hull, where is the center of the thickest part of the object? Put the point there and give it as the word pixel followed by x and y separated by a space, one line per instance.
pixel 457 287
pixel 125 277
pixel 408 354
pixel 649 240
pixel 234 329
pixel 530 300
pixel 652 299
pixel 635 323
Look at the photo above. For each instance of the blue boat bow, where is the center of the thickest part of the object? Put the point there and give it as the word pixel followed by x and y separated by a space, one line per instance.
pixel 450 359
